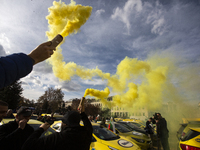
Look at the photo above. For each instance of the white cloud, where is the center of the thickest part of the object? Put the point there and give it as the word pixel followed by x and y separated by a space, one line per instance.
pixel 5 42
pixel 124 14
pixel 99 12
pixel 157 21
pixel 94 82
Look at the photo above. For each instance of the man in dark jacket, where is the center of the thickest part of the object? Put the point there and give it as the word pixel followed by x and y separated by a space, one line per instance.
pixel 72 135
pixel 14 134
pixel 162 131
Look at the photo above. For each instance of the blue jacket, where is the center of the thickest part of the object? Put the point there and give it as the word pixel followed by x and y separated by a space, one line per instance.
pixel 13 67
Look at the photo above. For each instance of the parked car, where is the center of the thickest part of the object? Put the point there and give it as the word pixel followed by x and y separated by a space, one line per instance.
pixel 142 140
pixel 191 139
pixel 56 116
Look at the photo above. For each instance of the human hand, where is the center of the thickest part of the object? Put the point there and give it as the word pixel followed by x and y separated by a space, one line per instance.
pixel 42 52
pixel 81 107
pixel 22 124
pixel 45 126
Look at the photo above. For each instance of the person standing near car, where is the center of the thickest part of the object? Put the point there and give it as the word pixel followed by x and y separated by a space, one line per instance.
pixel 3 109
pixel 14 134
pixel 162 131
pixel 72 135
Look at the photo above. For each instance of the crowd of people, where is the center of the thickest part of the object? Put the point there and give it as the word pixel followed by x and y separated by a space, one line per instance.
pixel 19 135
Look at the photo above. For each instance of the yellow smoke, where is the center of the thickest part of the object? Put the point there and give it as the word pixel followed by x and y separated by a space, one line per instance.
pixel 136 83
pixel 103 95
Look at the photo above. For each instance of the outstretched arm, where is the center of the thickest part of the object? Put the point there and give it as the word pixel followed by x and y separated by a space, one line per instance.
pixel 15 66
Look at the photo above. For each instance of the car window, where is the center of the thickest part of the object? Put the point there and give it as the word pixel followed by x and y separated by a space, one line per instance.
pixel 46 133
pixel 121 128
pixel 58 118
pixel 189 135
pixel 104 133
pixel 135 124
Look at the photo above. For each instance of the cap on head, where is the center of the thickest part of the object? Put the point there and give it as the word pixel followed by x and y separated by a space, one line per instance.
pixel 25 111
pixel 72 119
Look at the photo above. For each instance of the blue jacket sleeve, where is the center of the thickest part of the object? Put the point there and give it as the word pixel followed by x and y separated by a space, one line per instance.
pixel 13 67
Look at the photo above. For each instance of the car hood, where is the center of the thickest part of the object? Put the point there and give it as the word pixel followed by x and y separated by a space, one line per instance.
pixel 130 134
pixel 121 144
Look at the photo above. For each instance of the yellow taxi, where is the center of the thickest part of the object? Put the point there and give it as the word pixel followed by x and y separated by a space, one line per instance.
pixel 138 123
pixel 33 123
pixel 191 120
pixel 118 119
pixel 141 139
pixel 191 139
pixel 104 139
pixel 56 116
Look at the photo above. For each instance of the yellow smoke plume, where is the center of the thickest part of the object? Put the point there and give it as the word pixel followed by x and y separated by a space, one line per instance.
pixel 103 95
pixel 136 83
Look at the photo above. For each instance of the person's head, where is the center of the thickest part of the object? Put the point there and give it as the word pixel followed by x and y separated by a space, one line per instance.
pixel 23 113
pixel 71 119
pixel 9 112
pixel 159 116
pixel 3 109
pixel 150 119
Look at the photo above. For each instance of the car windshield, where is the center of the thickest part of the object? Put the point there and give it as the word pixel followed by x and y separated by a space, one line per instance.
pixel 121 128
pixel 189 135
pixel 135 124
pixel 46 133
pixel 104 133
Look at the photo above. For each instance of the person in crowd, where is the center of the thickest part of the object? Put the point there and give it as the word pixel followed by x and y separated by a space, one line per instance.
pixel 3 109
pixel 14 134
pixel 162 131
pixel 72 135
pixel 10 114
pixel 44 118
pixel 52 118
pixel 18 65
pixel 103 122
pixel 39 117
pixel 90 118
pixel 149 129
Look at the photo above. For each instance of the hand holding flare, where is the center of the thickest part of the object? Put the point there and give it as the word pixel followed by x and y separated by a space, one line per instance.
pixel 81 107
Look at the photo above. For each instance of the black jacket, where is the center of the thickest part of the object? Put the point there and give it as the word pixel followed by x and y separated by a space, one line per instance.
pixel 148 128
pixel 162 131
pixel 12 137
pixel 72 138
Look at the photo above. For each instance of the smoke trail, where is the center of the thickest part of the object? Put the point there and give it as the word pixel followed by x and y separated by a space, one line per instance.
pixel 98 94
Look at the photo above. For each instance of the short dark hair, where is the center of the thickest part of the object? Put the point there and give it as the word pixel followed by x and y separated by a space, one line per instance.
pixel 2 103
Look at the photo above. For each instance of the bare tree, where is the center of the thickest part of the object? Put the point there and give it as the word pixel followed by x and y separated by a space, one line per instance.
pixel 54 98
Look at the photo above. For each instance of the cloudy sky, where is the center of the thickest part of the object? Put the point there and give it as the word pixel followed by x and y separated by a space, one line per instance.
pixel 116 29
